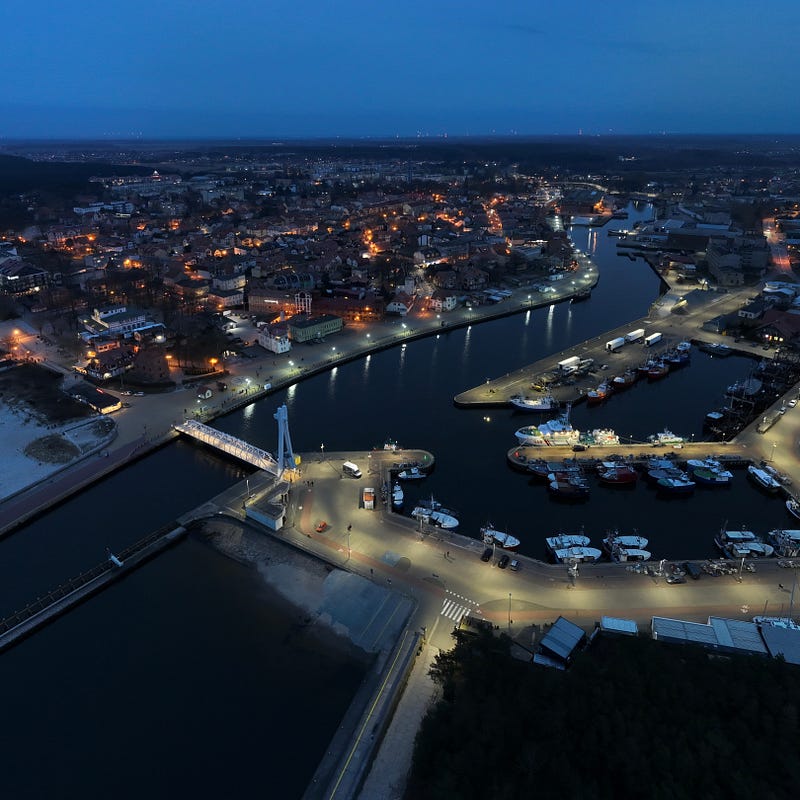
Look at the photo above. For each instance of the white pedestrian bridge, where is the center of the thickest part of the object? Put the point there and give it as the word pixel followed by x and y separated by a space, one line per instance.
pixel 231 445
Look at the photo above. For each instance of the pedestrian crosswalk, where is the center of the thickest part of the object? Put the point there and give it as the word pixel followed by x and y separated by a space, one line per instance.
pixel 453 610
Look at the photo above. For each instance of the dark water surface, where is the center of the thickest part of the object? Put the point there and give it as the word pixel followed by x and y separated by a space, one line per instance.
pixel 179 679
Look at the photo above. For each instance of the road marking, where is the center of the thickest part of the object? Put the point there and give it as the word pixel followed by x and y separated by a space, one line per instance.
pixel 453 611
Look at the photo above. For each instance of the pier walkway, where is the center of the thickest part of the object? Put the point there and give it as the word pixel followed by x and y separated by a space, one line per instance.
pixel 64 597
pixel 231 445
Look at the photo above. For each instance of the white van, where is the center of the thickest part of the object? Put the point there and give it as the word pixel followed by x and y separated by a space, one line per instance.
pixel 351 469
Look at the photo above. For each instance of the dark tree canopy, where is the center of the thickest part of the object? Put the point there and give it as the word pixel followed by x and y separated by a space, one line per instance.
pixel 632 718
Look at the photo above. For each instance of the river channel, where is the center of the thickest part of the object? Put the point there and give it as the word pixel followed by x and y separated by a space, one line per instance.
pixel 179 679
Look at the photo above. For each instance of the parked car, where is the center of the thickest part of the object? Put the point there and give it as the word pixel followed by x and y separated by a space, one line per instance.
pixel 487 554
pixel 503 562
pixel 514 565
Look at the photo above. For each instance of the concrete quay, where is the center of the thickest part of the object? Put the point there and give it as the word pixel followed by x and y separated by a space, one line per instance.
pixel 674 328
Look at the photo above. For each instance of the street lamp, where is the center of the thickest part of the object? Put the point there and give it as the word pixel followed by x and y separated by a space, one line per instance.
pixel 348 545
pixel 509 612
pixel 322 452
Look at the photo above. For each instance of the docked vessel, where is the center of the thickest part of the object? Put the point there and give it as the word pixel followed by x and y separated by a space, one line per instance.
pixel 666 437
pixel 763 479
pixel 411 474
pixel 598 394
pixel 438 518
pixel 397 496
pixel 714 349
pixel 564 541
pixel 786 542
pixel 502 539
pixel 568 486
pixel 627 541
pixel 793 507
pixel 657 370
pixel 558 431
pixel 709 472
pixel 615 473
pixel 675 485
pixel 624 381
pixel 540 468
pixel 742 544
pixel 434 513
pixel 578 555
pixel 544 403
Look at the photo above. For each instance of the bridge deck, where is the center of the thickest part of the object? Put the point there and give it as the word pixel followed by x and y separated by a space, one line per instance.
pixel 231 445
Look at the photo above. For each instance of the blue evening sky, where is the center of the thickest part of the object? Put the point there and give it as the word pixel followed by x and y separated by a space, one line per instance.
pixel 280 68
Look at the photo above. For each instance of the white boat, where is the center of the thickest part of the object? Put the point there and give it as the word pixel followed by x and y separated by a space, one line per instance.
pixel 786 542
pixel 557 431
pixel 438 518
pixel 577 554
pixel 763 479
pixel 666 437
pixel 397 496
pixel 566 540
pixel 544 403
pixel 627 541
pixel 411 474
pixel 749 550
pixel 623 554
pixel 500 538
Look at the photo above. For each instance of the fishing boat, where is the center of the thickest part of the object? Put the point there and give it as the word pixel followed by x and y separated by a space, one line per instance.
pixel 657 370
pixel 564 541
pixel 709 472
pixel 763 479
pixel 793 507
pixel 599 436
pixel 786 542
pixel 541 468
pixel 615 539
pixel 741 544
pixel 614 473
pixel 434 513
pixel 749 550
pixel 441 519
pixel 623 554
pixel 397 496
pixel 568 486
pixel 626 380
pixel 558 431
pixel 712 477
pixel 578 555
pixel 666 437
pixel 502 539
pixel 599 394
pixel 411 474
pixel 675 486
pixel 544 403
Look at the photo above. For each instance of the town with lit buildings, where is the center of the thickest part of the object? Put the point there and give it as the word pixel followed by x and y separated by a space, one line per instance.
pixel 139 272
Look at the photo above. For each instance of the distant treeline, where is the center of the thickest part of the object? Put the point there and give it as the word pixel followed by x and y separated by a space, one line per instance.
pixel 21 175
pixel 633 718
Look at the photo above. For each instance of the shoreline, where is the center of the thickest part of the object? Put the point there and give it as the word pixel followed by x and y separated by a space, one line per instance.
pixel 127 444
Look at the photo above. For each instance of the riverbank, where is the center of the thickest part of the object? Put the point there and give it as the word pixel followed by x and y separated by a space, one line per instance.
pixel 148 421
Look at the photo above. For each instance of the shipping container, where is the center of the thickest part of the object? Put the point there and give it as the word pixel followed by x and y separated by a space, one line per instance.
pixel 615 344
pixel 634 336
